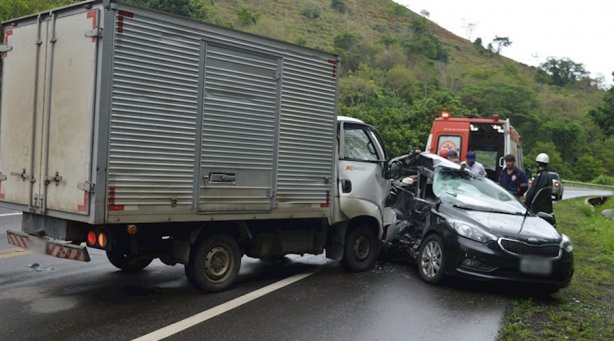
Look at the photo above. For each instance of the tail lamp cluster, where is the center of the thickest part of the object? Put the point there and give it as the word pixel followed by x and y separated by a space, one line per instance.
pixel 100 239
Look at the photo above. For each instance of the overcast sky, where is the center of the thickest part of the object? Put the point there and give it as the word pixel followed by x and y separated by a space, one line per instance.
pixel 582 31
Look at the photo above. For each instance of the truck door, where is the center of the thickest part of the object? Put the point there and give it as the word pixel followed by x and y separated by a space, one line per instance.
pixel 360 169
pixel 47 112
pixel 69 116
pixel 240 128
pixel 20 121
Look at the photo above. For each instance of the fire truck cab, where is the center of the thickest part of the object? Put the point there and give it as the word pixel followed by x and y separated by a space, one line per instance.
pixel 491 138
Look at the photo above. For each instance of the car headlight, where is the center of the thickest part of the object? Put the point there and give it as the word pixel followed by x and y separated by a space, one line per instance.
pixel 566 243
pixel 472 232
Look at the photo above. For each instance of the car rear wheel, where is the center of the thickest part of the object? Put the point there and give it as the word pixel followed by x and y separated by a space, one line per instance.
pixel 215 263
pixel 431 259
pixel 361 249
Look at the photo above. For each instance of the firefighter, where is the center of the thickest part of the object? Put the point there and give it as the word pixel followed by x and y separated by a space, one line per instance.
pixel 539 195
pixel 512 178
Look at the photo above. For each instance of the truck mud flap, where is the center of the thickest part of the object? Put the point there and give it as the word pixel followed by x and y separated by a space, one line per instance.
pixel 59 249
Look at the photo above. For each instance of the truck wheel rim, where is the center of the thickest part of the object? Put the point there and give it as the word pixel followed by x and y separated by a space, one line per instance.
pixel 218 262
pixel 431 259
pixel 361 248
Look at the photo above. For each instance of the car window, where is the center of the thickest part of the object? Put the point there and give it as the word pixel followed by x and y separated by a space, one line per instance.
pixel 450 142
pixel 487 158
pixel 358 145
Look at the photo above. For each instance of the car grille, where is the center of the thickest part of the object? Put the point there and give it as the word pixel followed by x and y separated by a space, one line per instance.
pixel 521 248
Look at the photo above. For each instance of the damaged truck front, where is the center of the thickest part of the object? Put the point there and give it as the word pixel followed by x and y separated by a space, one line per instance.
pixel 152 136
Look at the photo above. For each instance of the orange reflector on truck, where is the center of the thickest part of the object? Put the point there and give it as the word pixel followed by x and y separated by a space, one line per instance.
pixel 132 229
pixel 102 240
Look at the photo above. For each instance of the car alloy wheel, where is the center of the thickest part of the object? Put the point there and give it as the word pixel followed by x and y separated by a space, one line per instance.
pixel 431 259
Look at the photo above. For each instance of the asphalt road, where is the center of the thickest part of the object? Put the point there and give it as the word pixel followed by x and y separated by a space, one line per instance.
pixel 573 192
pixel 305 298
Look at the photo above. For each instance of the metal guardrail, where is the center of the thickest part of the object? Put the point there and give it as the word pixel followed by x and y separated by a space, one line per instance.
pixel 587 184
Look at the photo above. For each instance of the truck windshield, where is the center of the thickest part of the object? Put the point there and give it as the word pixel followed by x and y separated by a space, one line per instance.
pixel 362 143
pixel 461 188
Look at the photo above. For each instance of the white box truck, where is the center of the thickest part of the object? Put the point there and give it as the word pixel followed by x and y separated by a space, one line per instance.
pixel 154 136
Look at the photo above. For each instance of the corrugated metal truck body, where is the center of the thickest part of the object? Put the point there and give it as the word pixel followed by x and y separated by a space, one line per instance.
pixel 115 117
pixel 163 118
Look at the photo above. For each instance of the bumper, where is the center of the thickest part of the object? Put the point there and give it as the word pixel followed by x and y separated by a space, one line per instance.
pixel 490 263
pixel 50 247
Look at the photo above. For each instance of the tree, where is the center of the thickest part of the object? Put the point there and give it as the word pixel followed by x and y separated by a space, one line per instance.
pixel 563 71
pixel 477 44
pixel 499 42
pixel 603 115
pixel 311 10
pixel 352 48
pixel 338 5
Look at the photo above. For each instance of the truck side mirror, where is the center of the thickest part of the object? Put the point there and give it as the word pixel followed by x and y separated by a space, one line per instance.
pixel 391 170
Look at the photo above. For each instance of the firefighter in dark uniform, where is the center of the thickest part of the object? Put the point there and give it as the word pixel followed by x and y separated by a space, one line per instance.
pixel 541 201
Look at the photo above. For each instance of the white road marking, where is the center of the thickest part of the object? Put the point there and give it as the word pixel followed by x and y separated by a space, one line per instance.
pixel 8 253
pixel 220 309
pixel 9 214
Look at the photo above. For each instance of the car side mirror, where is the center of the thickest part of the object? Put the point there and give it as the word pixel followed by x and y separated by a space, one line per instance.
pixel 538 195
pixel 547 217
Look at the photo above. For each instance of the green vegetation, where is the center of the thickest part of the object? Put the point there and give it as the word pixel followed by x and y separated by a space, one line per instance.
pixel 399 71
pixel 584 310
pixel 604 180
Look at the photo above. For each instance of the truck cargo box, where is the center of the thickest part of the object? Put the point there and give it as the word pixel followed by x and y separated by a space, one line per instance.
pixel 114 114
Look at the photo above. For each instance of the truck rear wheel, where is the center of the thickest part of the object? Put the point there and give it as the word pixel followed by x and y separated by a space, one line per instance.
pixel 126 262
pixel 215 263
pixel 361 249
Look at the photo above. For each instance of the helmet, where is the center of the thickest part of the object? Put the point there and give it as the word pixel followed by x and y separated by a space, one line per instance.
pixel 543 158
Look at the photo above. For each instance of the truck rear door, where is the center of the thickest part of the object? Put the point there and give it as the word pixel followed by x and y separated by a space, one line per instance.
pixel 48 110
pixel 19 124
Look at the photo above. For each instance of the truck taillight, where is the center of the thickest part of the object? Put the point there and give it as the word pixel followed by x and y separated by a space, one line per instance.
pixel 91 238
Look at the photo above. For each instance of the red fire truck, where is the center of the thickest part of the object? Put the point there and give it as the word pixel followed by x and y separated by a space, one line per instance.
pixel 491 139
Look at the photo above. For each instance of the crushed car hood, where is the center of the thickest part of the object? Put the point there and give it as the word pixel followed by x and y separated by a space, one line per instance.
pixel 507 225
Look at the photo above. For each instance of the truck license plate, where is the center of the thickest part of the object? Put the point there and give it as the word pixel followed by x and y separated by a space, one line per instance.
pixel 536 266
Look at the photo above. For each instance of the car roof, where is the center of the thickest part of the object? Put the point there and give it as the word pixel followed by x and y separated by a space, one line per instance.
pixel 438 161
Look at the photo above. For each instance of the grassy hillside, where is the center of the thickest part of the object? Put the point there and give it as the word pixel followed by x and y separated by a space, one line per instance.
pixel 400 70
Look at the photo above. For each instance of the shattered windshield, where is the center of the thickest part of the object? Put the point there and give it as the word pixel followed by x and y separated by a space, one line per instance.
pixel 463 189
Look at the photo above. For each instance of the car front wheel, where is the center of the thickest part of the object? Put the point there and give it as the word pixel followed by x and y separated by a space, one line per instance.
pixel 431 260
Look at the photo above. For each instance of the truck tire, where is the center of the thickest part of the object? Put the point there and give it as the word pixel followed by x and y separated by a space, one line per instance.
pixel 128 263
pixel 361 249
pixel 215 263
